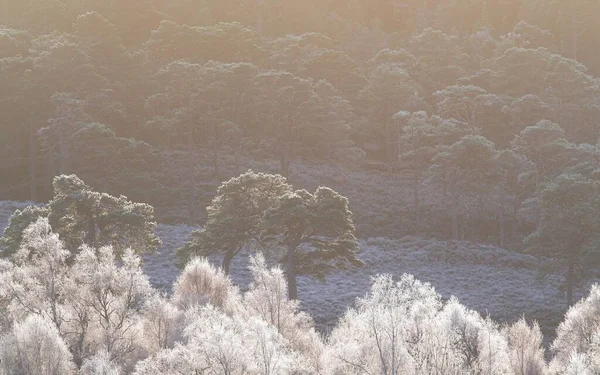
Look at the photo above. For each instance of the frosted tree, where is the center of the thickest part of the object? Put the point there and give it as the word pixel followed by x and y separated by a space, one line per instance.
pixel 493 353
pixel 267 299
pixel 200 283
pixel 37 281
pixel 19 221
pixel 34 346
pixel 271 353
pixel 115 296
pixel 465 326
pixel 235 216
pixel 100 364
pixel 579 364
pixel 81 215
pixel 525 348
pixel 57 137
pixel 162 323
pixel 316 231
pixel 546 146
pixel 418 144
pixel 372 338
pixel 578 336
pixel 471 105
pixel 178 360
pixel 389 88
pixel 468 166
pixel 476 345
pixel 217 343
pixel 403 328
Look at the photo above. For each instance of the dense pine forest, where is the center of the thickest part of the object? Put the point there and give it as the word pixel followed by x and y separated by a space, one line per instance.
pixel 297 140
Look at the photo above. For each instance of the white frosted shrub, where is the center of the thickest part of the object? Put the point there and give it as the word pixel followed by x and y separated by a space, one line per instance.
pixel 111 298
pixel 525 348
pixel 217 342
pixel 5 300
pixel 100 364
pixel 40 242
pixel 267 298
pixel 493 351
pixel 176 361
pixel 36 284
pixel 578 364
pixel 201 283
pixel 376 337
pixel 587 363
pixel 403 328
pixel 465 325
pixel 594 352
pixel 34 347
pixel 577 332
pixel 94 303
pixel 477 343
pixel 359 346
pixel 162 322
pixel 271 352
pixel 436 346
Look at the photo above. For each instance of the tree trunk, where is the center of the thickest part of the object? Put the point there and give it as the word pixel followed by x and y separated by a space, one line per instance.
pixel 570 281
pixel 90 236
pixel 33 166
pixel 227 258
pixel 226 262
pixel 291 273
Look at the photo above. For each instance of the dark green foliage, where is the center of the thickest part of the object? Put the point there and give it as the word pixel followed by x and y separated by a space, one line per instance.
pixel 569 222
pixel 235 216
pixel 82 216
pixel 260 211
pixel 316 231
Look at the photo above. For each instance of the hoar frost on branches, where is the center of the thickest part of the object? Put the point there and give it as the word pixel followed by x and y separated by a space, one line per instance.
pixel 403 327
pixel 94 303
pixel 100 314
pixel 260 333
pixel 34 346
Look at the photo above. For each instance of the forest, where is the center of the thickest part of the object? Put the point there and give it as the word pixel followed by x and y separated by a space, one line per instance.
pixel 298 140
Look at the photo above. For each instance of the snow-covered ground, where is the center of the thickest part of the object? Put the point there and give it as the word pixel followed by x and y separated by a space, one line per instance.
pixel 504 284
